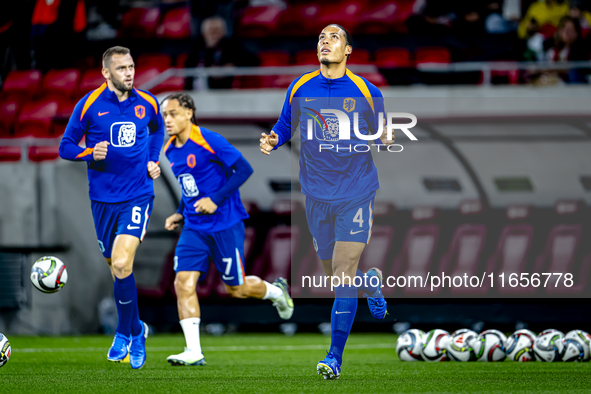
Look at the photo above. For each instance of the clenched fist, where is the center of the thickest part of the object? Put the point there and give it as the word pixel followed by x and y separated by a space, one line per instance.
pixel 173 221
pixel 100 151
pixel 268 142
pixel 153 170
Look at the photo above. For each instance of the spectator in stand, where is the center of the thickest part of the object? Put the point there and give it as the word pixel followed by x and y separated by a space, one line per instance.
pixel 495 22
pixel 469 21
pixel 540 13
pixel 215 49
pixel 583 16
pixel 431 18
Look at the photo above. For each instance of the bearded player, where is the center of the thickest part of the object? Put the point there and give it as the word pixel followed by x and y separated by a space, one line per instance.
pixel 209 171
pixel 124 133
pixel 339 182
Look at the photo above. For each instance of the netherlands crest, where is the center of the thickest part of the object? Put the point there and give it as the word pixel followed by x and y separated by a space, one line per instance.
pixel 349 104
pixel 140 111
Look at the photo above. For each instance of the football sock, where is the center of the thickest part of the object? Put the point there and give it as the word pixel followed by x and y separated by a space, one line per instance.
pixel 191 330
pixel 343 314
pixel 366 284
pixel 273 292
pixel 136 324
pixel 125 295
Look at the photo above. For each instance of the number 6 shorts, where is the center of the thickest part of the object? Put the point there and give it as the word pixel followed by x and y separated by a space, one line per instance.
pixel 196 249
pixel 348 221
pixel 128 217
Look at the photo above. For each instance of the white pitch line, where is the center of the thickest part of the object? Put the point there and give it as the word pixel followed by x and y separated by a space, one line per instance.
pixel 206 349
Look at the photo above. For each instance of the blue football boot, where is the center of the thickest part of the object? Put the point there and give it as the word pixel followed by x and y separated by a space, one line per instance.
pixel 376 302
pixel 329 368
pixel 137 350
pixel 119 349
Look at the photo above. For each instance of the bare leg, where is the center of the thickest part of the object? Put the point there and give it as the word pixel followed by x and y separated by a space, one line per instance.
pixel 124 249
pixel 345 259
pixel 253 287
pixel 185 285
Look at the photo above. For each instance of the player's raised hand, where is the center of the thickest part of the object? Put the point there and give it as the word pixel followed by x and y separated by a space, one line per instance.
pixel 205 205
pixel 173 221
pixel 268 142
pixel 100 151
pixel 153 170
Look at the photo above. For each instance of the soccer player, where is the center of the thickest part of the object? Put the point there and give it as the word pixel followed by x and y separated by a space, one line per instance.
pixel 338 179
pixel 209 171
pixel 124 133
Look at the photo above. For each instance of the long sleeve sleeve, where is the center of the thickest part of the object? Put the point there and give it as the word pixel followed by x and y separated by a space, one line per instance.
pixel 241 172
pixel 156 138
pixel 69 149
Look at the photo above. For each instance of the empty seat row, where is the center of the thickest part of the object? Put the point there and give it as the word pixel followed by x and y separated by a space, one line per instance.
pixel 149 22
pixel 34 153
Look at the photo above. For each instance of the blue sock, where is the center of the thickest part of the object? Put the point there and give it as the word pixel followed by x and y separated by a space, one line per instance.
pixel 343 314
pixel 366 285
pixel 126 300
pixel 136 324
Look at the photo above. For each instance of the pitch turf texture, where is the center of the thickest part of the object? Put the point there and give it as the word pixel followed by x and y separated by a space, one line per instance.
pixel 268 363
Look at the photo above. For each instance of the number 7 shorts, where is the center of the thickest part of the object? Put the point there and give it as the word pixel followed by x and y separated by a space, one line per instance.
pixel 196 249
pixel 128 217
pixel 348 221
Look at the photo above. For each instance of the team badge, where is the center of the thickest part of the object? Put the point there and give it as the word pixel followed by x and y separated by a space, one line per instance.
pixel 140 111
pixel 349 104
pixel 123 134
pixel 189 185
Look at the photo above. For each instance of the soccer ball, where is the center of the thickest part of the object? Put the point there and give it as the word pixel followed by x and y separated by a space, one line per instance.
pixel 460 346
pixel 410 344
pixel 519 346
pixel 497 332
pixel 435 345
pixel 549 346
pixel 462 331
pixel 49 274
pixel 548 331
pixel 4 350
pixel 585 339
pixel 490 346
pixel 573 349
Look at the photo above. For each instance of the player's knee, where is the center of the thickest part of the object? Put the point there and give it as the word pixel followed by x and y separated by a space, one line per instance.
pixel 121 268
pixel 236 291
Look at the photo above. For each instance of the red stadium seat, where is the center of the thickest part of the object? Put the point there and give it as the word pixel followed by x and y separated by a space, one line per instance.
pixel 145 75
pixel 307 57
pixel 299 20
pixel 36 118
pixel 60 84
pixel 359 56
pixel 383 17
pixel 393 58
pixel 176 25
pixel 21 85
pixel 181 60
pixel 43 153
pixel 139 22
pixel 161 61
pixel 91 80
pixel 8 113
pixel 432 55
pixel 344 13
pixel 375 78
pixel 512 253
pixel 63 116
pixel 274 58
pixel 10 153
pixel 259 21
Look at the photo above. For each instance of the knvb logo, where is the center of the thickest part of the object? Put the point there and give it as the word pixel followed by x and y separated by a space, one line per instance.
pixel 123 134
pixel 332 125
pixel 189 185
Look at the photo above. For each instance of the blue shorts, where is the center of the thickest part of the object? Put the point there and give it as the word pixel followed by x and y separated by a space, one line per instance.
pixel 349 221
pixel 226 248
pixel 129 217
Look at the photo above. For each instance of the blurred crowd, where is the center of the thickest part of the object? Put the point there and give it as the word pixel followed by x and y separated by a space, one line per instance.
pixel 45 34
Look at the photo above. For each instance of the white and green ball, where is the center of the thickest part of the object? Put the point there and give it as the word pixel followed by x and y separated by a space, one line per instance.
pixel 435 346
pixel 49 274
pixel 572 349
pixel 410 344
pixel 4 350
pixel 460 346
pixel 549 346
pixel 548 331
pixel 490 346
pixel 519 346
pixel 585 339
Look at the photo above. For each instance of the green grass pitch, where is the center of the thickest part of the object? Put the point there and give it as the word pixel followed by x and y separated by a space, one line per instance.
pixel 268 363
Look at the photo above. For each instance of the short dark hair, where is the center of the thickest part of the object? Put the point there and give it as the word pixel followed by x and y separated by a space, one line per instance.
pixel 117 50
pixel 348 36
pixel 185 101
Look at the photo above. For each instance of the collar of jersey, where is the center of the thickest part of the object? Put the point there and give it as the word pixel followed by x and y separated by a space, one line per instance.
pixel 113 97
pixel 344 78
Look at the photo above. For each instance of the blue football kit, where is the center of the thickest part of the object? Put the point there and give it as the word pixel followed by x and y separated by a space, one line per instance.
pixel 120 189
pixel 338 176
pixel 203 166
